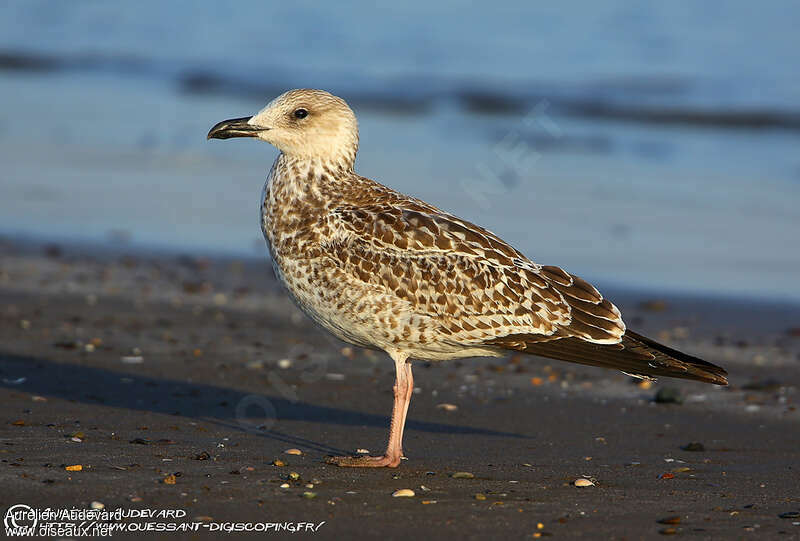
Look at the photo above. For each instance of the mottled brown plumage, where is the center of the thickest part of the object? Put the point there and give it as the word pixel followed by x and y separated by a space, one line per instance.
pixel 383 270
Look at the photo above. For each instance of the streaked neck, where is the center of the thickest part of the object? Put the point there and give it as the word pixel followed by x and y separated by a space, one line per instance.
pixel 308 178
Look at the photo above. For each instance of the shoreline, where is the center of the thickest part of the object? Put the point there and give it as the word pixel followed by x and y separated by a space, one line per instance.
pixel 108 250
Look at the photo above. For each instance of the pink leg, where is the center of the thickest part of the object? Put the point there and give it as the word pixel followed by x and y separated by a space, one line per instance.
pixel 407 402
pixel 403 388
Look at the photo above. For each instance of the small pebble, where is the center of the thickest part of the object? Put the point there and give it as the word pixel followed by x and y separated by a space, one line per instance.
pixel 675 519
pixel 97 505
pixel 480 496
pixel 447 407
pixel 285 485
pixel 362 451
pixel 293 452
pixel 582 482
pixel 790 514
pixel 278 462
pixel 309 495
pixel 294 476
pixel 403 493
pixel 254 365
pixel 133 359
pixel 284 363
pixel 310 485
pixel 76 467
pixel 170 479
pixel 694 446
pixel 463 475
pixel 668 531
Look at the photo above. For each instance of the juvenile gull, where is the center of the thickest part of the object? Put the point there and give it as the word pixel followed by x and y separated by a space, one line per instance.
pixel 386 271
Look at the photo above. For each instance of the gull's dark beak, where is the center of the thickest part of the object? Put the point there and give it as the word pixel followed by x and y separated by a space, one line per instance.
pixel 235 127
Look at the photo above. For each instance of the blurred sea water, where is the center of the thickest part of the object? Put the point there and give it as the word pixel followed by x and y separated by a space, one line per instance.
pixel 648 146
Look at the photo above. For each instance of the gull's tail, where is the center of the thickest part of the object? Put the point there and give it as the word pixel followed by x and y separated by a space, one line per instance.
pixel 635 355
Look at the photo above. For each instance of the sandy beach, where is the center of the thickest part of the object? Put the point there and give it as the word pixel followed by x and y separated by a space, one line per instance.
pixel 179 382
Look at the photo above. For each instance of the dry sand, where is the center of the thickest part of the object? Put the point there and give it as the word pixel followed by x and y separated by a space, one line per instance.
pixel 145 366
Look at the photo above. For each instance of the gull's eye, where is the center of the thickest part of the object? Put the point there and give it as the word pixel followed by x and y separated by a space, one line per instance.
pixel 300 113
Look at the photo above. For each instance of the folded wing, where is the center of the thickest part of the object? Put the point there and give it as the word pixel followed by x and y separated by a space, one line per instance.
pixel 481 291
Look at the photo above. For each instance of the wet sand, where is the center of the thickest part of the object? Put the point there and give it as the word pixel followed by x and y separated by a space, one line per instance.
pixel 139 367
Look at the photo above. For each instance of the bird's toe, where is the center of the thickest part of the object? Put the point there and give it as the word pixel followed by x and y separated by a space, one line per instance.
pixel 364 461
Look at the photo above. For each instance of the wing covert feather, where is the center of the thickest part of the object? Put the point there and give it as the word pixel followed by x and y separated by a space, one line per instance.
pixel 474 284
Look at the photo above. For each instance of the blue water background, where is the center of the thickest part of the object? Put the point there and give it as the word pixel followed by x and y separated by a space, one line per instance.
pixel 651 146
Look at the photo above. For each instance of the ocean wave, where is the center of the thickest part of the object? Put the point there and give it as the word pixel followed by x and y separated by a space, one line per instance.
pixel 646 100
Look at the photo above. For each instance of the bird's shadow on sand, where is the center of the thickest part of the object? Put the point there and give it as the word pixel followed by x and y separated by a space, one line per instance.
pixel 231 408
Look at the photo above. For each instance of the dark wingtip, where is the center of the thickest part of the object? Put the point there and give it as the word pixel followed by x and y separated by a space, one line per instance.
pixel 699 369
pixel 720 378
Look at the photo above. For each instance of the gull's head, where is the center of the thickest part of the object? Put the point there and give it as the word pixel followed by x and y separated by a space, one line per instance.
pixel 302 123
